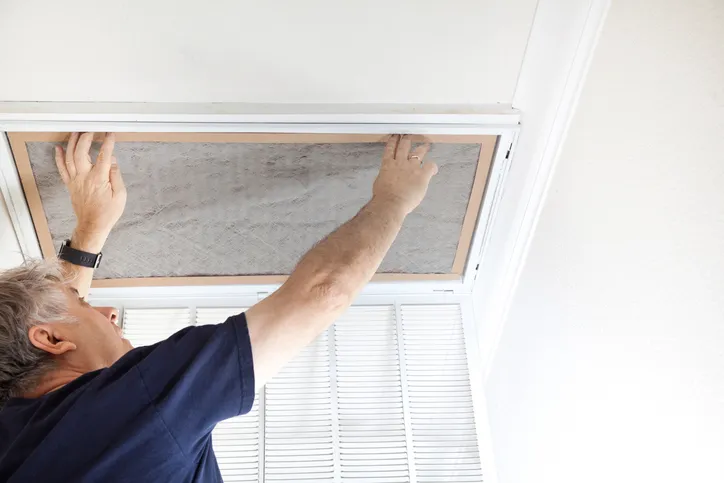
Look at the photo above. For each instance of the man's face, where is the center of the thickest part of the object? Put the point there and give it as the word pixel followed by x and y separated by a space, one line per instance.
pixel 98 340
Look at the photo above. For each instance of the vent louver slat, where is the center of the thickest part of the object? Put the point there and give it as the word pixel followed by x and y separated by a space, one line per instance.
pixel 438 385
pixel 144 327
pixel 298 419
pixel 372 442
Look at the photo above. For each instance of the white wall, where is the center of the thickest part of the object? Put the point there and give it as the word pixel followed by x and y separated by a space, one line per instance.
pixel 10 254
pixel 611 364
pixel 276 51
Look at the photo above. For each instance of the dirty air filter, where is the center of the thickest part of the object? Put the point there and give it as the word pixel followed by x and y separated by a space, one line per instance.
pixel 244 204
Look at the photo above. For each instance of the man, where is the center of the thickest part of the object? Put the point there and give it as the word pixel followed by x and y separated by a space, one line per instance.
pixel 81 405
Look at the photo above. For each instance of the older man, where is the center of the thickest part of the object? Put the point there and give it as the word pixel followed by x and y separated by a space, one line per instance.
pixel 80 404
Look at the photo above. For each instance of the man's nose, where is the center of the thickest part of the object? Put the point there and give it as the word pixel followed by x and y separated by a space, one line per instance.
pixel 110 313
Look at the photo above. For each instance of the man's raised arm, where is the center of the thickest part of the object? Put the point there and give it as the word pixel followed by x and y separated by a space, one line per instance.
pixel 98 197
pixel 329 277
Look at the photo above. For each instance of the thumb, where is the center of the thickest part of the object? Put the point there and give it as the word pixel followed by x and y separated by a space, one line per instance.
pixel 115 177
pixel 430 169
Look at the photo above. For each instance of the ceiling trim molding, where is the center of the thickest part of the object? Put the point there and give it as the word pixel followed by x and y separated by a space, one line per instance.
pixel 229 117
pixel 559 51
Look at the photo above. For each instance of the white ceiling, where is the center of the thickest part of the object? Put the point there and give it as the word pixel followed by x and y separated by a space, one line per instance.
pixel 283 51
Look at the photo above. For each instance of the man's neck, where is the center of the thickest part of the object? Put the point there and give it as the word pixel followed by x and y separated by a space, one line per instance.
pixel 52 381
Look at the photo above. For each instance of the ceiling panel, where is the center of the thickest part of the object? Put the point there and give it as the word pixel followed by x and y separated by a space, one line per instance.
pixel 282 51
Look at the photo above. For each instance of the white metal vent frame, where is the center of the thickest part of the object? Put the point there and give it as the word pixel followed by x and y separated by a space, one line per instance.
pixel 63 117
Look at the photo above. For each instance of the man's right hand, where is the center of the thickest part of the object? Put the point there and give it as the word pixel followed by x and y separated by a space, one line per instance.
pixel 403 178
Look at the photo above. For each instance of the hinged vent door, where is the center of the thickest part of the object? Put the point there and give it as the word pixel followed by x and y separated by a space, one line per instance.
pixel 382 396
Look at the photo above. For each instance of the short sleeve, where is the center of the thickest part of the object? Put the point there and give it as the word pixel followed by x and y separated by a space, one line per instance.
pixel 199 377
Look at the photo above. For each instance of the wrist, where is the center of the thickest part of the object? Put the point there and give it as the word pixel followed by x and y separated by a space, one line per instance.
pixel 91 242
pixel 392 205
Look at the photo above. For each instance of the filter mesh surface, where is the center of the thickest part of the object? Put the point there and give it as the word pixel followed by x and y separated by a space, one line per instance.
pixel 252 208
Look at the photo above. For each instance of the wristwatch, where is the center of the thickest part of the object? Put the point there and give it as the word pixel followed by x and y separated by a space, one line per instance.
pixel 78 257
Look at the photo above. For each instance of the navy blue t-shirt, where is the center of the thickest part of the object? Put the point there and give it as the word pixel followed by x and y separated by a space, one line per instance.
pixel 148 417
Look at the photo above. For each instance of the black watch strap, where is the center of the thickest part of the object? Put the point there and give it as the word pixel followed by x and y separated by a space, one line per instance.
pixel 78 257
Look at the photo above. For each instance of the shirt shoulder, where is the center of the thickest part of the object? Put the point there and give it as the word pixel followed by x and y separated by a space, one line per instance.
pixel 151 413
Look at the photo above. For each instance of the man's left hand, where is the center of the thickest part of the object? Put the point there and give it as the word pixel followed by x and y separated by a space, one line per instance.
pixel 96 190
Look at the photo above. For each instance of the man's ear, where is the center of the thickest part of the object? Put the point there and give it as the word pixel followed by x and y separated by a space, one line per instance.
pixel 47 338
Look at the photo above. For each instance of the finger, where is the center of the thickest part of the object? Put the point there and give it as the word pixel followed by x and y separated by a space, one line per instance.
pixel 106 154
pixel 82 152
pixel 429 168
pixel 60 163
pixel 418 154
pixel 391 146
pixel 403 147
pixel 115 177
pixel 69 155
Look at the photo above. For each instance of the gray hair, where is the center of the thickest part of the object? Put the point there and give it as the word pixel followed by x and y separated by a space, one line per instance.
pixel 31 294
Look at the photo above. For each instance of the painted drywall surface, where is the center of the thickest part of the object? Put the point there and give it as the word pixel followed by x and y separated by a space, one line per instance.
pixel 611 365
pixel 10 254
pixel 318 51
